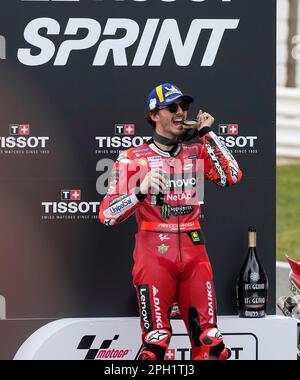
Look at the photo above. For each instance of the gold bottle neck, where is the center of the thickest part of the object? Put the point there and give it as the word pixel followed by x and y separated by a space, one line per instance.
pixel 252 239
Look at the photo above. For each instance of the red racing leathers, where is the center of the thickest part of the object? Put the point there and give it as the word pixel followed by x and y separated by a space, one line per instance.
pixel 170 258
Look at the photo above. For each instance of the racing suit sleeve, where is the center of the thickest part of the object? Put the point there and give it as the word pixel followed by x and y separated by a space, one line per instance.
pixel 219 164
pixel 122 197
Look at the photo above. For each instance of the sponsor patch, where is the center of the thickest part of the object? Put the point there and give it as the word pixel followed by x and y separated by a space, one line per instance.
pixel 164 237
pixel 146 315
pixel 162 248
pixel 197 237
pixel 167 210
pixel 157 336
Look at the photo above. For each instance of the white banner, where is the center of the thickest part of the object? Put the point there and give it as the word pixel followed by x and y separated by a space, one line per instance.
pixel 270 338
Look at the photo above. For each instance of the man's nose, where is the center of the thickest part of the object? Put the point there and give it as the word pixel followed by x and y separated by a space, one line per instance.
pixel 179 111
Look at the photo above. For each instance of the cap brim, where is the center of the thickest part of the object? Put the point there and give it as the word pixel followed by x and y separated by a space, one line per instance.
pixel 186 97
pixel 189 98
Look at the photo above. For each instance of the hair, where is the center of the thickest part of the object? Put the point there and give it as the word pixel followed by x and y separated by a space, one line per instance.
pixel 150 121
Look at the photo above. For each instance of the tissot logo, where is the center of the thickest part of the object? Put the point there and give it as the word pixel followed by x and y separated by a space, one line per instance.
pixel 120 142
pixel 104 352
pixel 124 139
pixel 20 141
pixel 229 134
pixel 124 129
pixel 150 41
pixel 186 353
pixel 70 207
pixel 170 354
pixel 16 129
pixel 71 194
pixel 229 129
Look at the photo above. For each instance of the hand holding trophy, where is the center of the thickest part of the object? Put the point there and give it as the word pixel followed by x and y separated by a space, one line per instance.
pixel 203 119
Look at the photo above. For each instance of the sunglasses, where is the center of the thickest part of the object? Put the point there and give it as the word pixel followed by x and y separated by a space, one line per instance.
pixel 173 107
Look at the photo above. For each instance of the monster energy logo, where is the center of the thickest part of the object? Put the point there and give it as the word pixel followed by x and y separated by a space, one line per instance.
pixel 167 210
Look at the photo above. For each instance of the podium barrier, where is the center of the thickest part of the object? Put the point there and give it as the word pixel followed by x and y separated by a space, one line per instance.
pixel 270 338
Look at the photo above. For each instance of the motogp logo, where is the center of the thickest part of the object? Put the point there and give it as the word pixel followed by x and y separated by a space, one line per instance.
pixel 104 352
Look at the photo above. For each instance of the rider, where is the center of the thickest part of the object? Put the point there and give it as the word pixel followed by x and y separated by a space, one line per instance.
pixel 158 181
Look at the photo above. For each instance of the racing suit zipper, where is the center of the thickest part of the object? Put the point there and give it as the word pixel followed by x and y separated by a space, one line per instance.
pixel 179 241
pixel 179 232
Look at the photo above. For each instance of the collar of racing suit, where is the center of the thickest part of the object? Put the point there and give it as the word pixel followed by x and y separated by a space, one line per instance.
pixel 163 140
pixel 165 153
pixel 188 135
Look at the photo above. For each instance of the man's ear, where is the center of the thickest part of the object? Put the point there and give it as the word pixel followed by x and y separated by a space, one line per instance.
pixel 153 116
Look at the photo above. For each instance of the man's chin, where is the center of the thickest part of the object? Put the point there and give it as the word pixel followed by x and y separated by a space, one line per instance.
pixel 178 129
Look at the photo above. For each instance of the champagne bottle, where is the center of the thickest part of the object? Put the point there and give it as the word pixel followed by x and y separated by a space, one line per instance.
pixel 252 283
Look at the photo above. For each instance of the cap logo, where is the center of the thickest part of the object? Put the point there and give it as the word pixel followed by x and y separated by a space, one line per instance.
pixel 159 91
pixel 152 104
pixel 172 90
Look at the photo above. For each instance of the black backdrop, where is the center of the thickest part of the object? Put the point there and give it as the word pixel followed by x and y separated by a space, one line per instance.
pixel 60 265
